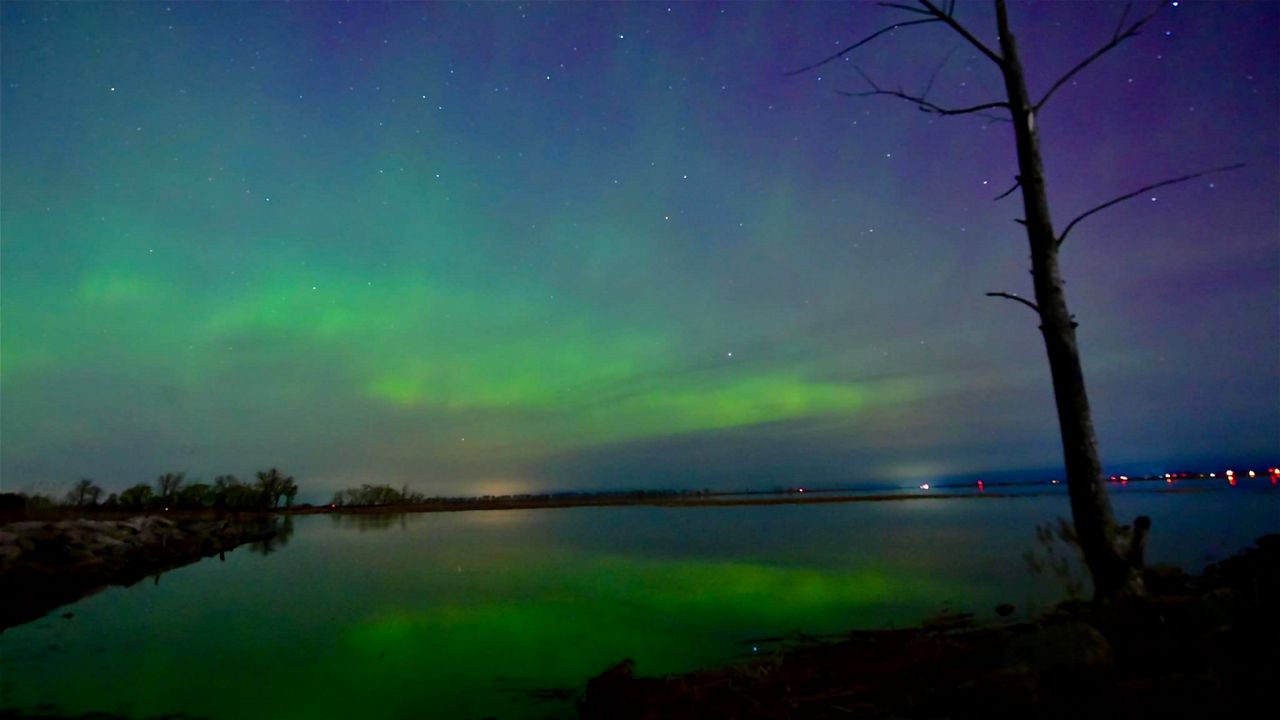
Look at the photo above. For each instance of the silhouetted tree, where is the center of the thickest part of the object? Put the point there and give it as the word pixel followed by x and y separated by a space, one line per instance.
pixel 375 495
pixel 195 495
pixel 272 485
pixel 167 486
pixel 83 494
pixel 290 492
pixel 137 497
pixel 1114 562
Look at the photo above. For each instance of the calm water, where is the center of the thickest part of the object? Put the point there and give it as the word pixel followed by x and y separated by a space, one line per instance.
pixel 454 615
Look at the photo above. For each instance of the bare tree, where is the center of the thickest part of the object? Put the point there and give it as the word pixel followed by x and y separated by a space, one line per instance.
pixel 167 486
pixel 272 485
pixel 1114 557
pixel 83 493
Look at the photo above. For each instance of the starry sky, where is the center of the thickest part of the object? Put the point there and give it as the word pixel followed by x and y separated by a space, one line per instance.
pixel 498 247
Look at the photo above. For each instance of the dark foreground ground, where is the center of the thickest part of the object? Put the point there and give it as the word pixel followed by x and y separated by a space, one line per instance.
pixel 1206 646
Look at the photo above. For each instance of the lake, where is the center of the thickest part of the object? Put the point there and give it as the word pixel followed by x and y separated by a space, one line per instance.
pixel 459 615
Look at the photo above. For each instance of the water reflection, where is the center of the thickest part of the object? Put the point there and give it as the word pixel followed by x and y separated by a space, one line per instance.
pixel 451 611
pixel 366 521
pixel 283 532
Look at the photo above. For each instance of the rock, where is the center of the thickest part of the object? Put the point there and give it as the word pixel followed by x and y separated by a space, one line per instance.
pixel 1061 647
pixel 616 690
pixel 1005 609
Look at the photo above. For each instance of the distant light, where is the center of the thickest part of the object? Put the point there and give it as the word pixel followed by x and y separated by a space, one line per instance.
pixel 1124 478
pixel 1168 475
pixel 1213 475
pixel 1229 473
pixel 1055 482
pixel 924 486
pixel 1253 474
pixel 981 487
pixel 800 490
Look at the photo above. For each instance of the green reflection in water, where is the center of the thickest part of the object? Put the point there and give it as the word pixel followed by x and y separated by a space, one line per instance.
pixel 465 649
pixel 668 616
pixel 452 615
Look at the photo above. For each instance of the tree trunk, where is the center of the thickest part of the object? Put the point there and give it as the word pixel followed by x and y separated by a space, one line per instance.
pixel 1113 576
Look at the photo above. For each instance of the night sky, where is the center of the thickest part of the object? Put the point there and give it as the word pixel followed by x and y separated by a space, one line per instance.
pixel 499 248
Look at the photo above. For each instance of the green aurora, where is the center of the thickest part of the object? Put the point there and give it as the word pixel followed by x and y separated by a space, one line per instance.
pixel 499 248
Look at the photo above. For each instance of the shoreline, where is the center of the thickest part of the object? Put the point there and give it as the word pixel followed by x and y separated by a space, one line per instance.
pixel 1199 646
pixel 479 504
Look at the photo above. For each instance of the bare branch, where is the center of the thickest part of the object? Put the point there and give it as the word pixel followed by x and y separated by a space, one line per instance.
pixel 964 33
pixel 1123 16
pixel 908 8
pixel 934 75
pixel 1062 238
pixel 1017 183
pixel 919 100
pixel 1116 38
pixel 864 41
pixel 1016 298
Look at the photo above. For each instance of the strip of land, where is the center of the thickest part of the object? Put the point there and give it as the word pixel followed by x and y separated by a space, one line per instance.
pixel 45 565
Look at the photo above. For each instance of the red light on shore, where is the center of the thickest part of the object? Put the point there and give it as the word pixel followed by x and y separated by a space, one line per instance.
pixel 981 487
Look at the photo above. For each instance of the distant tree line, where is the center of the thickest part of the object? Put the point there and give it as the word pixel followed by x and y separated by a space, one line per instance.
pixel 376 495
pixel 171 491
pixel 384 495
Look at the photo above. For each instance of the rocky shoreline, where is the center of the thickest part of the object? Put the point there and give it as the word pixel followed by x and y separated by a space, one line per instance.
pixel 1203 646
pixel 44 565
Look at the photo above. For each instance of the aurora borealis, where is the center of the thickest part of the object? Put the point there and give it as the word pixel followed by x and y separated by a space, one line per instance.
pixel 496 248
